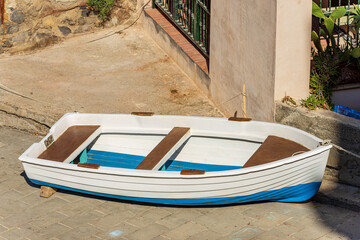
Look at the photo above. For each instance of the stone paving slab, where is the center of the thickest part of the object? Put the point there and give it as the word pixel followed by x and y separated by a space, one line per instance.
pixel 66 215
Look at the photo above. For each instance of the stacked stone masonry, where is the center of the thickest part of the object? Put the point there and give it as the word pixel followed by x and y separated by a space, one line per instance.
pixel 32 24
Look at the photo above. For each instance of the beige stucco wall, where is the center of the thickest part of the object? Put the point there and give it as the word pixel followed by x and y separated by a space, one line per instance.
pixel 264 45
pixel 242 51
pixel 293 39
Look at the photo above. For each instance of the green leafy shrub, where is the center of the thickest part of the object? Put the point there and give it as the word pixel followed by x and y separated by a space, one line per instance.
pixel 101 7
pixel 327 32
pixel 356 18
pixel 322 81
pixel 327 62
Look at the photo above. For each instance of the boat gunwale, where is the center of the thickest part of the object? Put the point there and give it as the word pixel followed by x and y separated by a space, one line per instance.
pixel 213 119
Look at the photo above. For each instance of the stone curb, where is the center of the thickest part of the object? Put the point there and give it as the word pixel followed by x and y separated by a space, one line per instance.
pixel 344 132
pixel 338 194
pixel 25 120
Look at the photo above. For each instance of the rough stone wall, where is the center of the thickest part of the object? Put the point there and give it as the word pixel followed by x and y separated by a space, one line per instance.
pixel 344 132
pixel 31 24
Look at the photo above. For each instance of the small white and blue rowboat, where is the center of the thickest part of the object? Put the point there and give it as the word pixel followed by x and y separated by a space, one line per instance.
pixel 178 160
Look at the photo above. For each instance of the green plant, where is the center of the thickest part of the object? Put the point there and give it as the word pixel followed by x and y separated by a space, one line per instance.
pixel 356 18
pixel 326 32
pixel 322 81
pixel 326 60
pixel 101 7
pixel 288 100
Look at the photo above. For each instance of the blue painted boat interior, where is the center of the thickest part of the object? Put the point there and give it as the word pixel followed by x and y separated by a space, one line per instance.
pixel 298 193
pixel 121 160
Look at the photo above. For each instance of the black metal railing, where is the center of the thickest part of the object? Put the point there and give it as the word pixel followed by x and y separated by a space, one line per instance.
pixel 192 17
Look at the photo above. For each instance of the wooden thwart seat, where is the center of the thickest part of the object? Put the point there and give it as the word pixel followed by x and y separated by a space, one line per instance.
pixel 69 142
pixel 274 148
pixel 161 153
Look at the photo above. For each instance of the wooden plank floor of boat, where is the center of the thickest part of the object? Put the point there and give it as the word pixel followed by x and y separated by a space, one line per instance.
pixel 274 148
pixel 68 142
pixel 163 148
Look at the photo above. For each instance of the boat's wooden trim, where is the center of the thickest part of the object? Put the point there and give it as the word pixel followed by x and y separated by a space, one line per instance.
pixel 157 157
pixel 146 114
pixel 239 119
pixel 274 148
pixel 89 165
pixel 68 142
pixel 192 172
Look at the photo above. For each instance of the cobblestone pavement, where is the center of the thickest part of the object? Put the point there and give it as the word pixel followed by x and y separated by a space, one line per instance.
pixel 24 215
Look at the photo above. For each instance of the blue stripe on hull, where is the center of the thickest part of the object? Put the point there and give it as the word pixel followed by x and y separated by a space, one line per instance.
pixel 121 160
pixel 298 193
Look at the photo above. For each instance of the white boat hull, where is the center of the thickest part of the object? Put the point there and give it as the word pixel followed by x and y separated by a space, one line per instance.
pixel 293 179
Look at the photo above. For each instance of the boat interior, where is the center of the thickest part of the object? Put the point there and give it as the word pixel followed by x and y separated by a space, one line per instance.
pixel 176 151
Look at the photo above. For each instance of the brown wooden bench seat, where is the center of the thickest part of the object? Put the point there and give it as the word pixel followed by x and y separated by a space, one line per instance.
pixel 159 155
pixel 68 142
pixel 274 148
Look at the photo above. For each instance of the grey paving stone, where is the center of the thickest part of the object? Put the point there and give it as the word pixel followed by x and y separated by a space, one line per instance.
pixel 109 221
pixel 75 209
pixel 34 198
pixel 312 231
pixel 3 229
pixel 54 230
pixel 26 189
pixel 149 232
pixel 10 195
pixel 185 231
pixel 20 233
pixel 246 233
pixel 111 207
pixel 172 221
pixel 93 237
pixel 118 231
pixel 81 219
pixel 327 212
pixel 20 218
pixel 48 219
pixel 207 234
pixel 350 227
pixel 81 232
pixel 335 236
pixel 149 217
pixel 223 222
pixel 12 207
pixel 288 229
pixel 273 235
pixel 269 220
pixel 69 197
pixel 161 238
